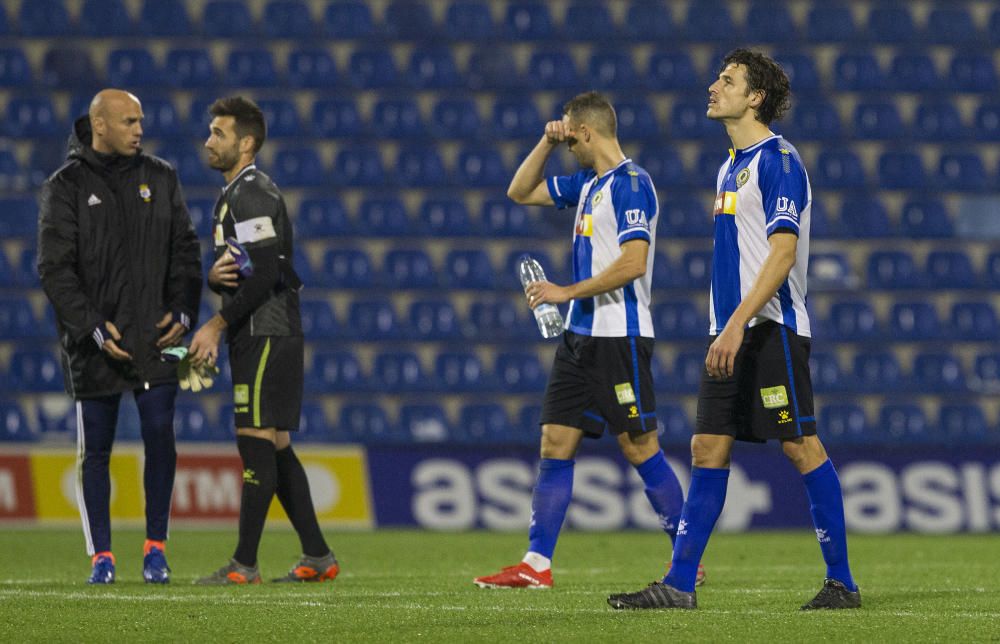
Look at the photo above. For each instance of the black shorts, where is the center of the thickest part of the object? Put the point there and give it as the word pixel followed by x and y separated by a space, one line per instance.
pixel 770 394
pixel 601 383
pixel 267 380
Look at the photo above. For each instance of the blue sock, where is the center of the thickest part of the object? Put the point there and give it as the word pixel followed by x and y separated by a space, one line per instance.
pixel 551 497
pixel 826 504
pixel 702 509
pixel 663 491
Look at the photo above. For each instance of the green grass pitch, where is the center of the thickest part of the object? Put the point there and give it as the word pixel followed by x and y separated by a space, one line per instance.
pixel 409 586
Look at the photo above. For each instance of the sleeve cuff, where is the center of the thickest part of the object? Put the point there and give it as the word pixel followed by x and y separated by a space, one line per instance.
pixel 98 336
pixel 184 319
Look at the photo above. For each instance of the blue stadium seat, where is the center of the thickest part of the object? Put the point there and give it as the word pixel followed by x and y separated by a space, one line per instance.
pixel 8 275
pixel 676 425
pixel 191 423
pixel 973 72
pixel 993 27
pixel 481 167
pixel 816 120
pixel 105 18
pixel 346 268
pixel 189 68
pixel 863 217
pixel 485 423
pixel 227 19
pixel 373 319
pixel 408 268
pixel 337 118
pixel 282 117
pixel 710 20
pixel 25 270
pixel 987 373
pixel 636 120
pixel 827 376
pixel 297 166
pixel 17 320
pixel 696 266
pixel 15 71
pixel 70 67
pixel 434 68
pixel 18 217
pixel 497 319
pixel 857 71
pixel 359 165
pixel 366 423
pixel 612 71
pixel 770 22
pixel 372 68
pixel 408 20
pixel 820 227
pixel 951 269
pixel 801 71
pixel 909 321
pixel 420 166
pixel 528 20
pixel 588 21
pixel 44 18
pixel 527 428
pixel 397 118
pixel 925 218
pixel 986 124
pixel 843 424
pixel 287 19
pixel 461 371
pixel 251 68
pixel 424 423
pixel 399 371
pixel 444 217
pixel 32 117
pixel 384 216
pixel 937 372
pixel 962 172
pixel 973 321
pixel 516 117
pixel 875 372
pixel 687 121
pixel 160 119
pixel 950 25
pixel 664 165
pixel 938 122
pixel 454 118
pixel 962 423
pixel 689 366
pixel 852 321
pixel 335 371
pixel 519 372
pixel 552 69
pixel 469 20
pixel 679 319
pixel 992 272
pixel 839 169
pixel 318 320
pixel 682 217
pixel 164 18
pixel 312 68
pixel 504 218
pixel 830 23
pixel 893 270
pixel 879 121
pixel 469 269
pixel 14 425
pixel 648 21
pixel 322 217
pixel 434 320
pixel 671 70
pixel 313 424
pixel 911 72
pixel 901 170
pixel 892 23
pixel 34 370
pixel 348 20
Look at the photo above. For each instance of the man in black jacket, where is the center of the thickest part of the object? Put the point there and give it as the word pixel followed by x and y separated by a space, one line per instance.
pixel 120 262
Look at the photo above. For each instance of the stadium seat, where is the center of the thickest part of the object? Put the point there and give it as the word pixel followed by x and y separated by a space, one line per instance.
pixel 189 69
pixel 519 372
pixel 687 121
pixel 843 424
pixel 648 21
pixel 527 428
pixel 18 217
pixel 830 23
pixel 676 425
pixel 454 118
pixel 857 71
pixel 837 169
pixel 973 72
pixel 313 424
pixel 348 20
pixel 15 71
pixel 710 21
pixel 160 119
pixel 893 270
pixel 987 373
pixel 366 423
pixel 287 19
pixel 408 20
pixel 33 117
pixel 433 68
pixel 827 376
pixel 373 319
pixel 281 116
pixel 424 423
pixel 612 71
pixel 385 216
pixel 14 425
pixel 588 21
pixel 318 320
pixel 346 268
pixel 133 68
pixel 682 217
pixel 938 122
pixel 821 227
pixel 420 166
pixel 498 319
pixel 901 170
pixel 322 217
pixel 801 71
pixel 17 320
pixel 852 321
pixel 770 22
pixel 986 124
pixel 461 371
pixel 372 68
pixel 227 19
pixel 950 25
pixel 68 67
pixel 484 424
pixel 34 370
pixel 312 68
pixel 44 19
pixel 875 372
pixel 504 218
pixel 992 273
pixel 891 23
pixel 164 18
pixel 8 276
pixel 481 167
pixel 903 424
pixel 469 20
pixel 397 119
pixel 962 423
pixel 671 70
pixel 434 320
pixel 679 320
pixel 303 266
pixel 925 218
pixel 251 68
pixel 696 266
pixel 951 269
pixel 26 268
pixel 444 217
pixel 469 269
pixel 298 166
pixel 335 371
pixel 552 70
pixel 516 117
pixel 962 172
pixel 664 165
pixel 914 321
pixel 528 20
pixel 880 121
pixel 359 166
pixel 408 268
pixel 973 321
pixel 191 423
pixel 689 366
pixel 398 372
pixel 937 373
pixel 911 72
pixel 337 118
pixel 864 217
pixel 492 69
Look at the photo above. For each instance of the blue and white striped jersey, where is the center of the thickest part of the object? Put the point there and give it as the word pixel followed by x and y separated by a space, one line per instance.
pixel 761 190
pixel 611 209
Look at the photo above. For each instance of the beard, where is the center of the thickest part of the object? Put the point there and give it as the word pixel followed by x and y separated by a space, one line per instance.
pixel 222 161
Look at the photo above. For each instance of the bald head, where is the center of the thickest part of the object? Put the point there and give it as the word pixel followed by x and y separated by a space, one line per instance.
pixel 116 122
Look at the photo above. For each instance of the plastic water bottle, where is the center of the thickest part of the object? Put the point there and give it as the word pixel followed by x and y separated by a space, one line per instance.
pixel 550 322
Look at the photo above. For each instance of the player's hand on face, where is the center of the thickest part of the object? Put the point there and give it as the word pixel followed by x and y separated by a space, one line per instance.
pixel 224 272
pixel 173 332
pixel 111 346
pixel 721 358
pixel 556 132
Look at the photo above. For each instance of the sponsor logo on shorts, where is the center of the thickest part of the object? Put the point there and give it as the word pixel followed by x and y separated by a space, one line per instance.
pixel 241 394
pixel 784 417
pixel 624 393
pixel 248 477
pixel 242 410
pixel 774 397
pixel 633 412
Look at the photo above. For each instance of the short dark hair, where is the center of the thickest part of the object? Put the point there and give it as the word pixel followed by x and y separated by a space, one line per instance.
pixel 763 75
pixel 594 109
pixel 249 118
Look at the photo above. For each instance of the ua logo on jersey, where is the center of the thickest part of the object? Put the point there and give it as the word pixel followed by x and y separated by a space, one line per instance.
pixel 636 217
pixel 786 206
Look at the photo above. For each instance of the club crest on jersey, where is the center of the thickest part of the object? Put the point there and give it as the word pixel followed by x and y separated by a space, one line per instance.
pixel 145 193
pixel 742 177
pixel 597 199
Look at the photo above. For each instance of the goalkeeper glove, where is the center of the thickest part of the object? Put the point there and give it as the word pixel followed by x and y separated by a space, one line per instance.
pixel 190 376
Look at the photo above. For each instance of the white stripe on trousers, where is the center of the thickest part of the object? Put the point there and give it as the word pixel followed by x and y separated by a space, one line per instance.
pixel 81 446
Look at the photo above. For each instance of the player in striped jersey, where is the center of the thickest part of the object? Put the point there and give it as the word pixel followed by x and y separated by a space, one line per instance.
pixel 756 386
pixel 601 377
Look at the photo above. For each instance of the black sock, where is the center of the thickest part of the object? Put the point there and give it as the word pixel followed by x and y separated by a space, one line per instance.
pixel 259 475
pixel 293 492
